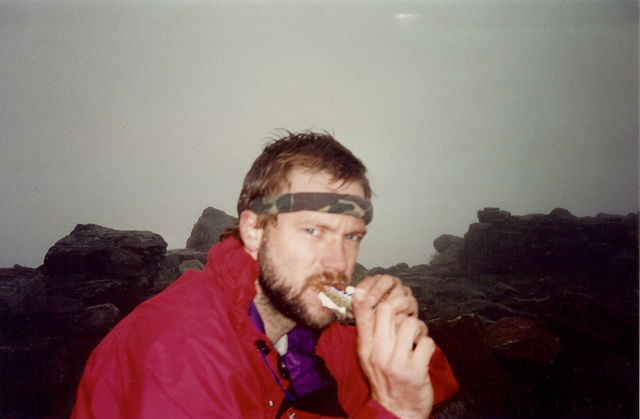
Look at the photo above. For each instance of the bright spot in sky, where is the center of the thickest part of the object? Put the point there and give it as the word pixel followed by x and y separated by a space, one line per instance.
pixel 406 17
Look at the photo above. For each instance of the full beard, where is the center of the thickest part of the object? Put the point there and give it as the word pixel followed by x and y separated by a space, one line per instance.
pixel 286 300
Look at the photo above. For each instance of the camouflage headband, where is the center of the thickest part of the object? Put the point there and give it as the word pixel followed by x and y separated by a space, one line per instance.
pixel 323 202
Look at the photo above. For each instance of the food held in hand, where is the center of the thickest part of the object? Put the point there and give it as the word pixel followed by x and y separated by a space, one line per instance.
pixel 338 301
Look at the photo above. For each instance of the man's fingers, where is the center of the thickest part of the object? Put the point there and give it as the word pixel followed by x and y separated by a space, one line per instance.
pixel 382 288
pixel 424 350
pixel 379 285
pixel 410 332
pixel 365 318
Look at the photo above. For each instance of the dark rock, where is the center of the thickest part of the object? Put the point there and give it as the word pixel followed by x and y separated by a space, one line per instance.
pixel 396 270
pixel 57 305
pixel 493 216
pixel 98 320
pixel 527 305
pixel 22 290
pixel 562 213
pixel 487 310
pixel 523 341
pixel 451 259
pixel 94 292
pixel 463 340
pixel 440 297
pixel 182 255
pixel 125 263
pixel 582 314
pixel 555 243
pixel 443 242
pixel 32 376
pixel 527 352
pixel 193 264
pixel 100 252
pixel 169 272
pixel 600 381
pixel 359 273
pixel 207 230
pixel 175 262
pixel 57 317
pixel 454 409
pixel 504 288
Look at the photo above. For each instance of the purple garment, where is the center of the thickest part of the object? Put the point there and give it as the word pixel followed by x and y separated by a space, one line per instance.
pixel 313 388
pixel 300 361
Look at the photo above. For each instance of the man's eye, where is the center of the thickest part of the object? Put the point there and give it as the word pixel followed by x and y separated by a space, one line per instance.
pixel 311 231
pixel 354 237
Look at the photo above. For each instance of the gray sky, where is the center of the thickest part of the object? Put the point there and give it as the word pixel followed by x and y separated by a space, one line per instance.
pixel 139 114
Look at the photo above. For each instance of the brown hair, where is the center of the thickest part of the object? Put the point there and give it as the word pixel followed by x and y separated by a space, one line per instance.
pixel 315 151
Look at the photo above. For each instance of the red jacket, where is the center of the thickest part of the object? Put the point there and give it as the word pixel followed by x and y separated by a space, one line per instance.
pixel 190 352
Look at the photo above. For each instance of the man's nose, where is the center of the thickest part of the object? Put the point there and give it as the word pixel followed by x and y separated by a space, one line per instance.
pixel 335 257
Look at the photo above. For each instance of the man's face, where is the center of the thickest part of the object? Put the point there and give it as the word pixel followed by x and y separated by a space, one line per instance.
pixel 308 247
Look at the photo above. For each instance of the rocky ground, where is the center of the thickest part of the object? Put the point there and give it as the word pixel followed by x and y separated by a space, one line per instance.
pixel 538 314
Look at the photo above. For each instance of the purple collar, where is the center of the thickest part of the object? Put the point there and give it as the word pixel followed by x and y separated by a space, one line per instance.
pixel 312 384
pixel 299 359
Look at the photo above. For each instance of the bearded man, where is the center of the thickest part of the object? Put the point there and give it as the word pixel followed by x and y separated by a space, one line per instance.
pixel 249 336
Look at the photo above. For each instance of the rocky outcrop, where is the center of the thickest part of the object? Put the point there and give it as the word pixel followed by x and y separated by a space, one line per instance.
pixel 207 230
pixel 98 252
pixel 558 242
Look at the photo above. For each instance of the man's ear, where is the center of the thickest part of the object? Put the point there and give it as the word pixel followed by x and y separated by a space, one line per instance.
pixel 250 232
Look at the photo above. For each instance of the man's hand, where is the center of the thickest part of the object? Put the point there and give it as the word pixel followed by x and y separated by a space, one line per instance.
pixel 393 346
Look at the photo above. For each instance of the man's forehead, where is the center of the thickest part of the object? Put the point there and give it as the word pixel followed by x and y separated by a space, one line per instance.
pixel 300 179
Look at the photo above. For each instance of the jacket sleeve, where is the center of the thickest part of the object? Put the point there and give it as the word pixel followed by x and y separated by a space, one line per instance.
pixel 444 383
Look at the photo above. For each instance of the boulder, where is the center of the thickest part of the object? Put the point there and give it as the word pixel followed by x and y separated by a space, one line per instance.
pixel 207 230
pixel 98 320
pixel 524 342
pixel 98 252
pixel 555 243
pixel 493 216
pixel 443 242
pixel 57 317
pixel 451 259
pixel 193 264
pixel 22 290
pixel 482 389
pixel 173 265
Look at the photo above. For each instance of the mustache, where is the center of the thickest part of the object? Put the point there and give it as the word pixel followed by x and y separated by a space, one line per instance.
pixel 335 279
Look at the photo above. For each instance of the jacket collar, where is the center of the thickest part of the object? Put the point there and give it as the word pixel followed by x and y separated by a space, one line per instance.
pixel 234 271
